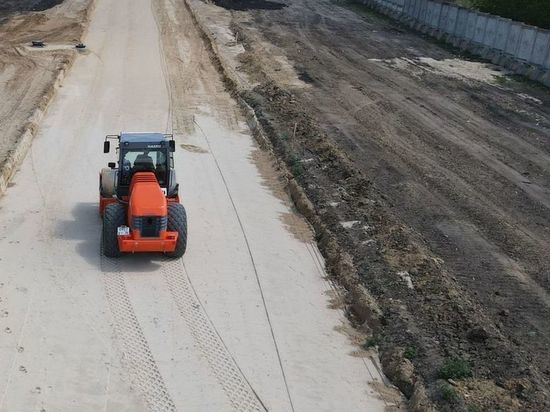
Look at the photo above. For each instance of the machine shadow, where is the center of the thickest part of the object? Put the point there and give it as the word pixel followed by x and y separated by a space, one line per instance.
pixel 85 227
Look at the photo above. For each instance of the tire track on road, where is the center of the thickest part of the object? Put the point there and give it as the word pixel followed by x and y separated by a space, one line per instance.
pixel 252 262
pixel 224 367
pixel 136 354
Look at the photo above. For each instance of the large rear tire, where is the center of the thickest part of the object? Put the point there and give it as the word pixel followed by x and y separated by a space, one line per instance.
pixel 177 222
pixel 113 217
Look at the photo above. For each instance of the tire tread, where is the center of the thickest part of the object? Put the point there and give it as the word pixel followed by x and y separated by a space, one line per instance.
pixel 177 222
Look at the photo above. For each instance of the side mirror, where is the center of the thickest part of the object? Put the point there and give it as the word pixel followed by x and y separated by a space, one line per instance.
pixel 172 144
pixel 112 165
pixel 106 146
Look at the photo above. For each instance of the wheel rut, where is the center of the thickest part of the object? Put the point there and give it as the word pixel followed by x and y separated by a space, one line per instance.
pixel 136 354
pixel 208 341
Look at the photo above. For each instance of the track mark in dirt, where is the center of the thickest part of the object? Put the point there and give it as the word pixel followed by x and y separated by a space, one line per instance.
pixel 253 263
pixel 137 356
pixel 193 149
pixel 232 380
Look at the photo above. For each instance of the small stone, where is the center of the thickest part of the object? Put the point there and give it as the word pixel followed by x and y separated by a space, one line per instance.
pixel 504 312
pixel 478 334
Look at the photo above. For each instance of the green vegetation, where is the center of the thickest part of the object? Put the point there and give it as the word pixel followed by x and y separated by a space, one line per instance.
pixel 410 352
pixel 371 342
pixel 448 393
pixel 296 167
pixel 535 12
pixel 455 368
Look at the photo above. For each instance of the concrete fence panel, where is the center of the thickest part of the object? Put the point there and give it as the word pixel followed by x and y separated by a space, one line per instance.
pixel 526 42
pixel 443 17
pixel 418 9
pixel 407 7
pixel 423 11
pixel 429 13
pixel 481 23
pixel 436 14
pixel 462 23
pixel 471 25
pixel 542 47
pixel 547 63
pixel 503 31
pixel 490 32
pixel 451 19
pixel 395 5
pixel 513 38
pixel 412 8
pixel 415 8
pixel 401 5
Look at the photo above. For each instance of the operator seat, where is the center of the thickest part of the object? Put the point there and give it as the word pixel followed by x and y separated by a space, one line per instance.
pixel 144 163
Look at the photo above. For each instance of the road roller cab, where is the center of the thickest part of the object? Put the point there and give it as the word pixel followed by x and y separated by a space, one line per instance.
pixel 138 197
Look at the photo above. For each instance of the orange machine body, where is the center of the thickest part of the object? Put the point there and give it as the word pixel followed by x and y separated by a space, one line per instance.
pixel 147 217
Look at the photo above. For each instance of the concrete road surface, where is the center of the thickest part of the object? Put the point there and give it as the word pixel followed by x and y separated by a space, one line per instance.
pixel 242 322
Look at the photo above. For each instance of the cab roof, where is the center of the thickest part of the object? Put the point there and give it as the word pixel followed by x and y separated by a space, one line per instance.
pixel 142 137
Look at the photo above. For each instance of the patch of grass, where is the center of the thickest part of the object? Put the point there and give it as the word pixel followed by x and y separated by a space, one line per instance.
pixel 283 136
pixel 518 78
pixel 371 342
pixel 448 393
pixel 296 167
pixel 455 368
pixel 501 79
pixel 473 408
pixel 410 353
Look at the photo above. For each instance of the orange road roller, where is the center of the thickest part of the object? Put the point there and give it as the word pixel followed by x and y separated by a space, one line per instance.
pixel 138 197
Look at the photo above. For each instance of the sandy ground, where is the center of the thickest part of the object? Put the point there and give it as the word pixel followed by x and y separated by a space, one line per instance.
pixel 27 75
pixel 243 322
pixel 431 168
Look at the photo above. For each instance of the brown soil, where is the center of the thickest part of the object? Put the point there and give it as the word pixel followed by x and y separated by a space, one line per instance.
pixel 27 76
pixel 443 163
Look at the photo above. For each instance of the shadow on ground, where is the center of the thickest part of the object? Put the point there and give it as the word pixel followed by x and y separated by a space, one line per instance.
pixel 85 227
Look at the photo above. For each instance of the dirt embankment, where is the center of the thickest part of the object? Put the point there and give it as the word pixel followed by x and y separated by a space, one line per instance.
pixel 27 76
pixel 432 170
